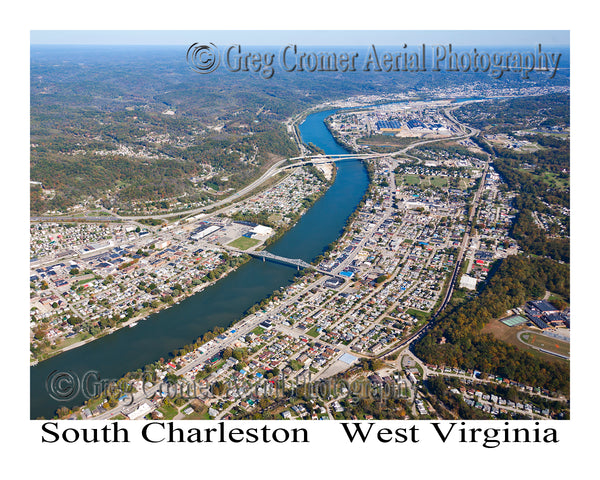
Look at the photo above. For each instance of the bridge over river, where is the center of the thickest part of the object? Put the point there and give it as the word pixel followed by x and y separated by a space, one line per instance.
pixel 297 262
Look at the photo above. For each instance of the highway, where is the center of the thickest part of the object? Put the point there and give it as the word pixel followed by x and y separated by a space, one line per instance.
pixel 275 169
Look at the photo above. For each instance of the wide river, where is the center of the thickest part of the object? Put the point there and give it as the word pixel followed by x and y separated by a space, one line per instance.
pixel 219 305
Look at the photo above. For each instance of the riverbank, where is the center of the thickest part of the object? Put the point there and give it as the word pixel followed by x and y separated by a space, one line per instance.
pixel 280 230
pixel 224 302
pixel 146 314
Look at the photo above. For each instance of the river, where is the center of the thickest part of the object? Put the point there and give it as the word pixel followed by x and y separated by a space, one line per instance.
pixel 220 304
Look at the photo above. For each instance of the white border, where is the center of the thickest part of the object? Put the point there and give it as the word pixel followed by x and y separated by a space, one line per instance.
pixel 327 455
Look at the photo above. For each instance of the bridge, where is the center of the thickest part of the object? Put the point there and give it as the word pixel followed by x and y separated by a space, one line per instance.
pixel 318 159
pixel 297 262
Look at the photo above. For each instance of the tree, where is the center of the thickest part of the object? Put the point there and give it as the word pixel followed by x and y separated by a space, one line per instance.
pixel 240 353
pixel 73 320
pixel 63 412
pixel 39 333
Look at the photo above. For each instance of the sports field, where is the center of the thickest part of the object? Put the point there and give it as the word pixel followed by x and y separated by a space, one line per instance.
pixel 426 181
pixel 244 243
pixel 548 344
pixel 514 320
pixel 511 335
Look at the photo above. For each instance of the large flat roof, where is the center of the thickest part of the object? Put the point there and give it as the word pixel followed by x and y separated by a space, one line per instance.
pixel 347 358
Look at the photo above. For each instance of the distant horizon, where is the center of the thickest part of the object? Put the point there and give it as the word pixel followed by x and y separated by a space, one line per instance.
pixel 303 37
pixel 282 44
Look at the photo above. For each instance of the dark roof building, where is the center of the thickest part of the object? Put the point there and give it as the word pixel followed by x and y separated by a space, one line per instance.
pixel 543 306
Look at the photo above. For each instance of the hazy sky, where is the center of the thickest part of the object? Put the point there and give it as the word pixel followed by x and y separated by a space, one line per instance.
pixel 301 37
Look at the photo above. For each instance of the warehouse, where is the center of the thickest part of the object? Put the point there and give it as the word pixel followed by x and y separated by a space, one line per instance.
pixel 204 231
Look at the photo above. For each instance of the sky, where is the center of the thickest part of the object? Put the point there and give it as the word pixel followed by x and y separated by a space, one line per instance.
pixel 301 37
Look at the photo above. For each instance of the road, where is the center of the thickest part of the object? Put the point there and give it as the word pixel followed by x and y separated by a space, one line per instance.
pixel 250 323
pixel 275 169
pixel 463 246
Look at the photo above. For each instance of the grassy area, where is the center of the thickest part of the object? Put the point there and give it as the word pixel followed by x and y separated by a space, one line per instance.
pixel 554 180
pixel 244 243
pixel 275 218
pixel 83 281
pixel 201 415
pixel 198 416
pixel 168 411
pixel 77 338
pixel 438 181
pixel 433 181
pixel 99 213
pixel 296 365
pixel 258 331
pixel 419 315
pixel 411 179
pixel 547 343
pixel 557 298
pixel 153 222
pixel 94 402
pixel 218 365
pixel 551 179
pixel 428 180
pixel 313 332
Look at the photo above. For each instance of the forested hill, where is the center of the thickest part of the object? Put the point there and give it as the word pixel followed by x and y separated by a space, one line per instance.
pixel 516 280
